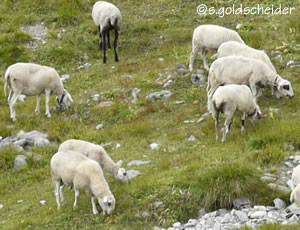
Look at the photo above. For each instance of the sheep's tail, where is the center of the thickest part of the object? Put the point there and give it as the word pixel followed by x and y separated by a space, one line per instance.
pixel 7 84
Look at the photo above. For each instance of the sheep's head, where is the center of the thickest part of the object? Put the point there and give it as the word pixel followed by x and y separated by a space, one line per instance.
pixel 107 204
pixel 284 87
pixel 122 175
pixel 64 101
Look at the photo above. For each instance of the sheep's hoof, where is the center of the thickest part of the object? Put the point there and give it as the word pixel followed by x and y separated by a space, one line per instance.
pixel 37 111
pixel 95 212
pixel 48 115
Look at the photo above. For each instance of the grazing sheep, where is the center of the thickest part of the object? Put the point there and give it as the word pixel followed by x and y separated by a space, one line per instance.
pixel 245 71
pixel 295 194
pixel 79 172
pixel 107 17
pixel 33 80
pixel 233 48
pixel 210 37
pixel 97 153
pixel 229 99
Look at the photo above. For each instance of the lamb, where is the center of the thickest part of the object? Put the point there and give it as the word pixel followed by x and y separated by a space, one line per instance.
pixel 210 37
pixel 248 71
pixel 33 80
pixel 229 99
pixel 234 48
pixel 97 153
pixel 295 194
pixel 79 172
pixel 107 17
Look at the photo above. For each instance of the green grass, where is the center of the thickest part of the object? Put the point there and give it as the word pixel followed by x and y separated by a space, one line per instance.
pixel 186 176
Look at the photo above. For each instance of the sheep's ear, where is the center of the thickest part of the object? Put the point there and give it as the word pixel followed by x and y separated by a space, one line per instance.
pixel 68 95
pixel 120 163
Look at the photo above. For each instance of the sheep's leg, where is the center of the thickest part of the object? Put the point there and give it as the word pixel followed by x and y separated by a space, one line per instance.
pixel 229 126
pixel 204 53
pixel 95 211
pixel 100 39
pixel 195 51
pixel 104 47
pixel 115 45
pixel 216 116
pixel 108 40
pixel 62 194
pixel 226 128
pixel 12 105
pixel 47 93
pixel 38 103
pixel 243 122
pixel 57 187
pixel 76 198
pixel 10 94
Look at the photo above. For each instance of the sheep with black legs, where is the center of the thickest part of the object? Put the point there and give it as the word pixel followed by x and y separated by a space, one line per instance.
pixel 97 153
pixel 107 17
pixel 230 99
pixel 245 71
pixel 234 48
pixel 79 172
pixel 210 37
pixel 33 80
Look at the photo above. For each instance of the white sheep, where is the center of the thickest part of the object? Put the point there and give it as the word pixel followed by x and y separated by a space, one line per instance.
pixel 229 99
pixel 107 17
pixel 210 37
pixel 245 71
pixel 33 80
pixel 79 172
pixel 234 48
pixel 295 194
pixel 97 153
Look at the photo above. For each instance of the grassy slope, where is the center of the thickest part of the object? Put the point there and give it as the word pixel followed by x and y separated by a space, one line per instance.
pixel 185 175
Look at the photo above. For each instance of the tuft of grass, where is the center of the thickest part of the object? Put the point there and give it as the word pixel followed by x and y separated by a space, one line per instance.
pixel 218 186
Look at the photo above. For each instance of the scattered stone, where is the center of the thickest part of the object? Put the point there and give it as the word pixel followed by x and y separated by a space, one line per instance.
pixel 96 97
pixel 22 98
pixel 20 201
pixel 198 79
pixel 182 71
pixel 133 173
pixel 280 188
pixel 289 164
pixel 65 77
pixel 268 179
pixel 188 121
pixel 86 65
pixel 291 148
pixel 241 203
pixel 192 138
pixel 139 163
pixel 118 145
pixel 169 83
pixel 146 215
pixel 20 161
pixel 161 59
pixel 179 102
pixel 134 94
pixel 278 57
pixel 159 204
pixel 113 67
pixel 1 206
pixel 180 66
pixel 279 204
pixel 290 63
pixel 85 57
pixel 42 202
pixel 238 26
pixel 105 104
pixel 177 225
pixel 100 127
pixel 162 95
pixel 154 146
pixel 38 32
